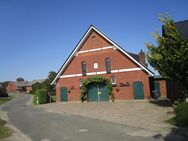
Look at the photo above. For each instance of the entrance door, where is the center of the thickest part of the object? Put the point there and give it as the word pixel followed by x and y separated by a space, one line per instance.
pixel 98 92
pixel 138 90
pixel 103 92
pixel 93 92
pixel 63 94
pixel 157 88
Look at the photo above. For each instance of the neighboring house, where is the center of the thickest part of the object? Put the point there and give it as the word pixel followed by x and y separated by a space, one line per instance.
pixel 22 86
pixel 96 54
pixel 11 87
pixel 164 88
pixel 181 26
pixel 37 81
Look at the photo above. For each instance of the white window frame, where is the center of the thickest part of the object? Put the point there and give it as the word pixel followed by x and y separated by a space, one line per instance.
pixel 95 65
pixel 114 79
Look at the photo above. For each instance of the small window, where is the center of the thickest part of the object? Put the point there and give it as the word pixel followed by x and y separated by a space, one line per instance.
pixel 84 68
pixel 81 82
pixel 113 79
pixel 108 65
pixel 95 65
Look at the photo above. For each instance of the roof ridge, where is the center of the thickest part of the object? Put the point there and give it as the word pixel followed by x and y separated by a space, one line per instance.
pixel 181 21
pixel 81 41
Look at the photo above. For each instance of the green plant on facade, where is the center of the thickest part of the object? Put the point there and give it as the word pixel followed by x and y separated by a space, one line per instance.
pixel 95 79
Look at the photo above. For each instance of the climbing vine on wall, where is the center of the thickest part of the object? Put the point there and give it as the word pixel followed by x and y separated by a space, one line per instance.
pixel 94 79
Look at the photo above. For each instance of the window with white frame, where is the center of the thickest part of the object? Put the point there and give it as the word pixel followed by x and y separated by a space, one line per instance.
pixel 95 65
pixel 113 79
pixel 81 82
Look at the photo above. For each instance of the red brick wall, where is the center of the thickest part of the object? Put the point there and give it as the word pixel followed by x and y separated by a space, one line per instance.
pixel 162 87
pixel 73 85
pixel 11 87
pixel 118 61
pixel 94 42
pixel 28 88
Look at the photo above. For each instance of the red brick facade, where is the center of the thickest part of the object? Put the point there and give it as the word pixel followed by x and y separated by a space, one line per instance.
pixel 119 61
pixel 11 87
pixel 163 86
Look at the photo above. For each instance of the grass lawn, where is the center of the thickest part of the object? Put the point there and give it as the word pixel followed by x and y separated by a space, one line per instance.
pixel 4 131
pixel 4 100
pixel 181 115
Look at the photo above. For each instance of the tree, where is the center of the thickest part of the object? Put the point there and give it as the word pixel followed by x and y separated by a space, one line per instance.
pixel 46 85
pixel 19 79
pixel 3 92
pixel 51 75
pixel 170 54
pixel 36 86
pixel 50 88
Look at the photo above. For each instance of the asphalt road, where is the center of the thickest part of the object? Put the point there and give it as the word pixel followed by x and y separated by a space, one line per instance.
pixel 39 125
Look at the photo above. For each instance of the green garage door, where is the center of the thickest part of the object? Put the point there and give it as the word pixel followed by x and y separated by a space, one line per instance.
pixel 98 92
pixel 138 90
pixel 93 92
pixel 103 92
pixel 63 94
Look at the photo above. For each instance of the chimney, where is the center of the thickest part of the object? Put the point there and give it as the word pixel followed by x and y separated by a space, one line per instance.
pixel 142 59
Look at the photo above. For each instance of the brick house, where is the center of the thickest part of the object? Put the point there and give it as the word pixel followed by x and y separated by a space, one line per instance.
pixel 23 86
pixel 11 87
pixel 15 87
pixel 96 54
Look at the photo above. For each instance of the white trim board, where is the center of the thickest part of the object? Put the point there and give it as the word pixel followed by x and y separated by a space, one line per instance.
pixel 101 72
pixel 95 49
pixel 82 41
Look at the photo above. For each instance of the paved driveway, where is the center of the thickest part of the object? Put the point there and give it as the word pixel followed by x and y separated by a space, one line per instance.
pixel 140 114
pixel 40 125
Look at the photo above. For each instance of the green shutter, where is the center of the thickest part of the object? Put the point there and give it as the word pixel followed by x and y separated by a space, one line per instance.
pixel 138 90
pixel 63 94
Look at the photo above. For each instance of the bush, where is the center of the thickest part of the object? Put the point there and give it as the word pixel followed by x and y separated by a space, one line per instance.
pixel 3 92
pixel 40 96
pixel 53 98
pixel 181 112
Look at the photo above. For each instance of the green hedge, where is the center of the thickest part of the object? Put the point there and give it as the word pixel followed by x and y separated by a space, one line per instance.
pixel 181 112
pixel 3 92
pixel 40 96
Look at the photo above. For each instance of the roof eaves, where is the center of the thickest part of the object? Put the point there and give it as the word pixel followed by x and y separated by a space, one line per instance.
pixel 72 53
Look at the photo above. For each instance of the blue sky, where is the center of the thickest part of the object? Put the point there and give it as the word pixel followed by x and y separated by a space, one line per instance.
pixel 36 36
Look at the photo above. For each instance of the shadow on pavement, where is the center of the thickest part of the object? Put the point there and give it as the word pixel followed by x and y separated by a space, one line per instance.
pixel 176 134
pixel 161 102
